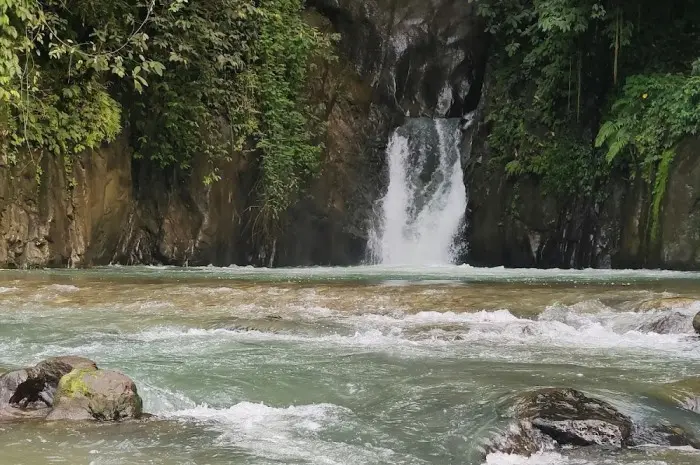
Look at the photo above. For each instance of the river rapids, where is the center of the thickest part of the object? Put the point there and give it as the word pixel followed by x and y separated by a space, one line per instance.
pixel 366 365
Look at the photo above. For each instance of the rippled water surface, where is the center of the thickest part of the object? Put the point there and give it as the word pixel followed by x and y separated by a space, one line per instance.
pixel 367 365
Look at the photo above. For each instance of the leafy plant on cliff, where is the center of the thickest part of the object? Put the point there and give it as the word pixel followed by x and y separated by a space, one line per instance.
pixel 54 77
pixel 188 79
pixel 538 91
pixel 647 121
pixel 559 64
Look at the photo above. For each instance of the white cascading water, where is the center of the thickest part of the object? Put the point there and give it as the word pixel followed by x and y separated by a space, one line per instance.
pixel 426 199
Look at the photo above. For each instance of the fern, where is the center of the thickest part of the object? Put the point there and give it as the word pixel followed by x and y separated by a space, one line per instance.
pixel 606 132
pixel 660 185
pixel 651 116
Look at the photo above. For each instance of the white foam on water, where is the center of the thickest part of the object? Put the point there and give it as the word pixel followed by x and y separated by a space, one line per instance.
pixel 61 288
pixel 541 458
pixel 285 434
pixel 557 326
pixel 150 305
pixel 255 418
pixel 167 333
pixel 423 271
pixel 5 290
pixel 162 401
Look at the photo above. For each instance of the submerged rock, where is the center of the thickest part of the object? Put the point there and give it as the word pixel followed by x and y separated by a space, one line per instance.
pixel 670 323
pixel 684 393
pixel 664 435
pixel 34 388
pixel 92 394
pixel 665 303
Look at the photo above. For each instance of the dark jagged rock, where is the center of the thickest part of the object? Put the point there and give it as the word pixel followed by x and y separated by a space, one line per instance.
pixel 34 388
pixel 571 418
pixel 553 417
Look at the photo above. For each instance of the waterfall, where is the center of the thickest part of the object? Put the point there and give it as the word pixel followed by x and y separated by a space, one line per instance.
pixel 423 209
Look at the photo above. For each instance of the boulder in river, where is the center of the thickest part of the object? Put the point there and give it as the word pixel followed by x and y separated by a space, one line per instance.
pixel 696 323
pixel 571 418
pixel 92 394
pixel 555 417
pixel 33 388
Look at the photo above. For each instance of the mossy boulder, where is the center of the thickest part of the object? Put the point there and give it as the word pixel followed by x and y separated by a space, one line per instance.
pixel 93 394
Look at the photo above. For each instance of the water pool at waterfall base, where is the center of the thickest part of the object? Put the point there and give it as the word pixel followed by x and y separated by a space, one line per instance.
pixel 365 365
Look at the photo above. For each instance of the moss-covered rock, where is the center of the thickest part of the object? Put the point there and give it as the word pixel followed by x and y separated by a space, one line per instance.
pixel 92 394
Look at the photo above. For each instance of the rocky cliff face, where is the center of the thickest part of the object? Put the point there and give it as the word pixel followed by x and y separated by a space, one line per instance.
pixel 514 223
pixel 63 220
pixel 398 59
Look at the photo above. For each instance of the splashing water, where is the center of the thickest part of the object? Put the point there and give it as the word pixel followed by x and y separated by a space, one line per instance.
pixel 372 365
pixel 425 202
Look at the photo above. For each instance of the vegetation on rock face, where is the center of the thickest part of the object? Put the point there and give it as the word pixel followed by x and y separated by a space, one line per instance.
pixel 583 87
pixel 185 78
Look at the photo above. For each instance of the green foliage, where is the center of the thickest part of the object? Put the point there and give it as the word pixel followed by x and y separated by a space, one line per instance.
pixel 236 81
pixel 54 78
pixel 187 78
pixel 559 64
pixel 289 125
pixel 537 93
pixel 565 164
pixel 650 117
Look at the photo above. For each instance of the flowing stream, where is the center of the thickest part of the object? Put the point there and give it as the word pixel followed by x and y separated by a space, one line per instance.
pixel 367 365
pixel 425 202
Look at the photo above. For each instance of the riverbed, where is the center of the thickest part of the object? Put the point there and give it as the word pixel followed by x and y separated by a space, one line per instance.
pixel 365 365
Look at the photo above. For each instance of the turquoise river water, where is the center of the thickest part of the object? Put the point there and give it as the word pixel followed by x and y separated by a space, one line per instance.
pixel 366 365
